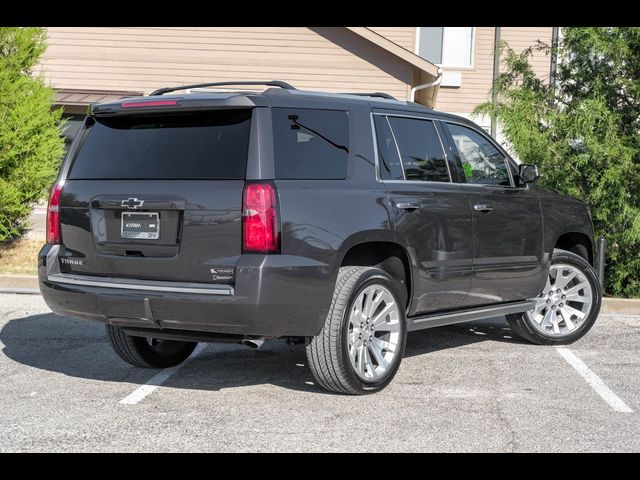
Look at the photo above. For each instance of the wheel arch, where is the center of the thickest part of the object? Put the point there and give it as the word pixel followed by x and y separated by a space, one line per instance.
pixel 389 256
pixel 578 243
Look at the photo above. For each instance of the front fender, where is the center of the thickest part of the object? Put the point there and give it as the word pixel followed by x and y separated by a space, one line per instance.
pixel 564 215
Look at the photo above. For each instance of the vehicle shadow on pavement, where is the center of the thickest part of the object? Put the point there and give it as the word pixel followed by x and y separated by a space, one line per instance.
pixel 78 348
pixel 441 338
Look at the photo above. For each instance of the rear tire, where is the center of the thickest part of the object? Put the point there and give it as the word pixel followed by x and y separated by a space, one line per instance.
pixel 348 356
pixel 572 309
pixel 148 352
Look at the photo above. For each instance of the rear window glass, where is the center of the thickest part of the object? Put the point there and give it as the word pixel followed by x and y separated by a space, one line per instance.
pixel 310 144
pixel 200 145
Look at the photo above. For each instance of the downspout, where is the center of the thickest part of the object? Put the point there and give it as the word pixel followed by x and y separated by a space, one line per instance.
pixel 554 57
pixel 496 72
pixel 437 81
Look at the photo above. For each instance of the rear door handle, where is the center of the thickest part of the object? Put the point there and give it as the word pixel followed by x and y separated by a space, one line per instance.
pixel 483 207
pixel 407 205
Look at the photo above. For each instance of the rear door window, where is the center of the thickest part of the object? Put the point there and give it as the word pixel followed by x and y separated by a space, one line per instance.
pixel 310 144
pixel 420 149
pixel 200 145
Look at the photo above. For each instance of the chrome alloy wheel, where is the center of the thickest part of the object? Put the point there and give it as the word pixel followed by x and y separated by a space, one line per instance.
pixel 374 332
pixel 565 302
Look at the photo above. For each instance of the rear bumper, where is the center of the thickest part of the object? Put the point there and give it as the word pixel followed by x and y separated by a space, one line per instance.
pixel 273 295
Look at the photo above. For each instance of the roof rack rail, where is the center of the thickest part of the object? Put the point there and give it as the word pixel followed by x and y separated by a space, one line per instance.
pixel 374 94
pixel 272 83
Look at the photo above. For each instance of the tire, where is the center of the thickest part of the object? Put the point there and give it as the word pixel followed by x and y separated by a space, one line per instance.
pixel 527 327
pixel 146 352
pixel 328 353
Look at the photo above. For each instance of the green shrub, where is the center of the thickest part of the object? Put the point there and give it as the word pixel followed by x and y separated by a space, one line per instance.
pixel 584 133
pixel 30 143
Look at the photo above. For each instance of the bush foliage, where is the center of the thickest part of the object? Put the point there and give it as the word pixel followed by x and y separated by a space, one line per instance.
pixel 30 143
pixel 584 132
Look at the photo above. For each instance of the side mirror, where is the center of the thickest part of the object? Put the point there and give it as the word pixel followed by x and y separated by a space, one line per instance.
pixel 528 172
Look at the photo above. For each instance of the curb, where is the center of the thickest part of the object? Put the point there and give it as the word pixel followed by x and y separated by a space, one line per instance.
pixel 19 282
pixel 620 306
pixel 21 291
pixel 8 283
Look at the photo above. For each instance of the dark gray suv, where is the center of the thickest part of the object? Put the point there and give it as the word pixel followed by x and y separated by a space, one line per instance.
pixel 342 221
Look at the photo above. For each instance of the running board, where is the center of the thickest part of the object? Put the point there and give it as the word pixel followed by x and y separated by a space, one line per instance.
pixel 460 316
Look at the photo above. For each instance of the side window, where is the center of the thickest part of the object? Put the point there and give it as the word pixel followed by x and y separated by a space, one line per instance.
pixel 481 160
pixel 310 144
pixel 420 149
pixel 389 160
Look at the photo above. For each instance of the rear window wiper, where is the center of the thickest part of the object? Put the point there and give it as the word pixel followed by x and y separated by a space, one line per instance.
pixel 295 125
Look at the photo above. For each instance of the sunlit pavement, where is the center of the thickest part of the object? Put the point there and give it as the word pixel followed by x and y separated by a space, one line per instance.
pixel 469 387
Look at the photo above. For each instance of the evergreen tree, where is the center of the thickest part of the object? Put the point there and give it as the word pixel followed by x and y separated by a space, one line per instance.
pixel 30 143
pixel 584 132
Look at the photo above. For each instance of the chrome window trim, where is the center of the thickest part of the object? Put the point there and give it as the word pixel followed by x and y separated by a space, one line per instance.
pixel 395 141
pixel 444 151
pixel 376 153
pixel 374 136
pixel 428 116
pixel 422 182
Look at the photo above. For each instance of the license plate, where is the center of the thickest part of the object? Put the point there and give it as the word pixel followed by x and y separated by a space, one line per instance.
pixel 140 225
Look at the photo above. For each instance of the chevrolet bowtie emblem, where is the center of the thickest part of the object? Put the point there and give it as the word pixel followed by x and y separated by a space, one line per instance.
pixel 132 203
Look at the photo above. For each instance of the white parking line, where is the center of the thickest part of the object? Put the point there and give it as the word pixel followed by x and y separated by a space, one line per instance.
pixel 594 381
pixel 154 382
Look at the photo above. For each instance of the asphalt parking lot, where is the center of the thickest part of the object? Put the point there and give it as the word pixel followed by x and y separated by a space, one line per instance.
pixel 470 387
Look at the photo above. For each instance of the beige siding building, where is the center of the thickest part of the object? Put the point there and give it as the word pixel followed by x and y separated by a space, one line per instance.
pixel 450 68
pixel 464 87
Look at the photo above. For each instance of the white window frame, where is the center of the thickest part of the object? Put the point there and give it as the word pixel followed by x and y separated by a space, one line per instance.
pixel 443 65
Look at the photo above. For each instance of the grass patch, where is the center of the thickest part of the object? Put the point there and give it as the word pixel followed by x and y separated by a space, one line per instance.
pixel 19 257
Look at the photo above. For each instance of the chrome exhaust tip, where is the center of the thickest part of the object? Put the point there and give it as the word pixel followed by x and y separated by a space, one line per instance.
pixel 253 342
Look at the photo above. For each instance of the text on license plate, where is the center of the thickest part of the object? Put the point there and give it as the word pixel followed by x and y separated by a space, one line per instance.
pixel 140 225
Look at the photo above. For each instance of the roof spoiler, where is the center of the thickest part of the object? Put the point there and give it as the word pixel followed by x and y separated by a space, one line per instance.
pixel 146 105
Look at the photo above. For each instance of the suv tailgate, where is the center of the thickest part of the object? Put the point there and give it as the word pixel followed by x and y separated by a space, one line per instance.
pixel 157 197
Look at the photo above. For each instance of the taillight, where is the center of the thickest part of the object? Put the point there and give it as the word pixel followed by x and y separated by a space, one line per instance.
pixel 259 219
pixel 53 214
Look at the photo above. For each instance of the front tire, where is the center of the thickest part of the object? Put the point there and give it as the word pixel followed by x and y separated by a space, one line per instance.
pixel 568 306
pixel 148 352
pixel 362 342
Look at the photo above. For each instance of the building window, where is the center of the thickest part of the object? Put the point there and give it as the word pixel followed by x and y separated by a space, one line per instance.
pixel 446 46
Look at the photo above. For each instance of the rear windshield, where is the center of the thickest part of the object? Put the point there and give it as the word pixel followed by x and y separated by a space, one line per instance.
pixel 200 145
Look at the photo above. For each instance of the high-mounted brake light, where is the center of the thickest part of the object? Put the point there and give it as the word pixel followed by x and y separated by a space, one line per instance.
pixel 54 235
pixel 148 103
pixel 260 229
